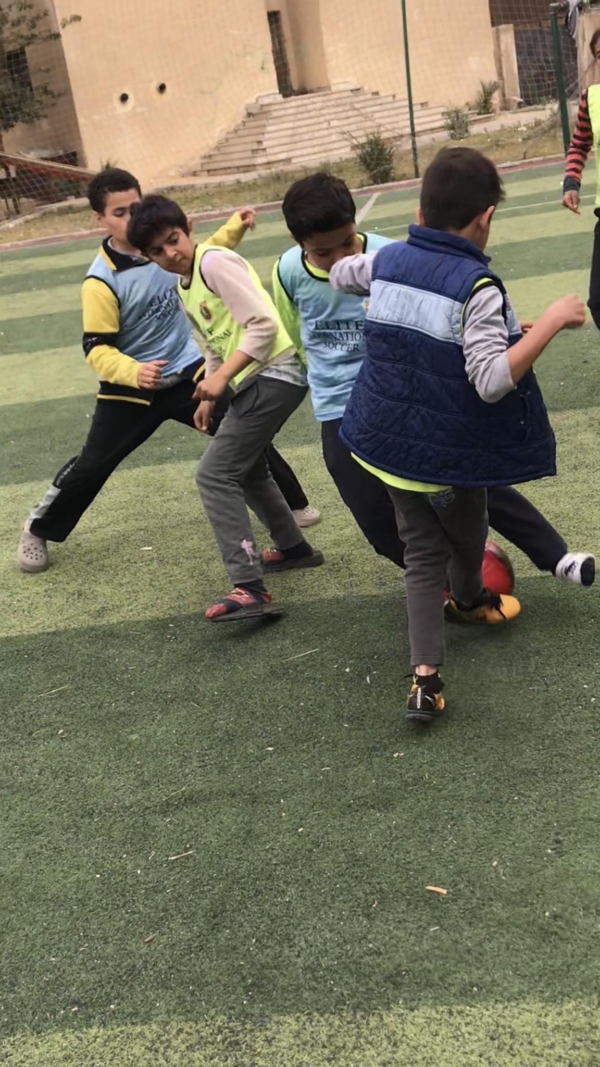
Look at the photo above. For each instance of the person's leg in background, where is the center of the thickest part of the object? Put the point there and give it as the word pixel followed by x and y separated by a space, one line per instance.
pixel 364 495
pixel 304 514
pixel 594 297
pixel 118 427
pixel 518 520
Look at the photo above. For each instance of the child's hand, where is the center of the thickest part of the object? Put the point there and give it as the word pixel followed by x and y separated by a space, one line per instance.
pixel 571 200
pixel 212 387
pixel 569 312
pixel 203 416
pixel 248 217
pixel 525 326
pixel 149 373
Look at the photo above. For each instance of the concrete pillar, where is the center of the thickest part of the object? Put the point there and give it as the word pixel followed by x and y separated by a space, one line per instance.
pixel 505 55
pixel 587 68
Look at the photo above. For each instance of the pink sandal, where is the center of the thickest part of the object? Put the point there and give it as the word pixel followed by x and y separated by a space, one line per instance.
pixel 243 604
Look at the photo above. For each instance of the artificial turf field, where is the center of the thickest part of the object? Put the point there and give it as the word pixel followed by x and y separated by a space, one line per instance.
pixel 297 931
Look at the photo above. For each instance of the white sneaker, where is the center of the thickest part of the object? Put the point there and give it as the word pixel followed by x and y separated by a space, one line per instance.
pixel 32 554
pixel 578 567
pixel 307 516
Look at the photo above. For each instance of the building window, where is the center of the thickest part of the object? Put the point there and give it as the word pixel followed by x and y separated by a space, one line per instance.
pixel 17 68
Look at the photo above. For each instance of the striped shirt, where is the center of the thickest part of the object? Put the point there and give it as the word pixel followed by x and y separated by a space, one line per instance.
pixel 580 146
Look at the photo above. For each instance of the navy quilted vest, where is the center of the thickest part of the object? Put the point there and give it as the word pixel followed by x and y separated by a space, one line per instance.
pixel 413 411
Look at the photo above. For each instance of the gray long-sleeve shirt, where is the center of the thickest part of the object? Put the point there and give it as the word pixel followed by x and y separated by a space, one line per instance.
pixel 485 334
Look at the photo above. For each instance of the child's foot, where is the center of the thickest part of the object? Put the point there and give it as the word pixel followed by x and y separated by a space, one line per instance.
pixel 577 567
pixel 307 516
pixel 425 700
pixel 287 559
pixel 244 602
pixel 491 609
pixel 32 554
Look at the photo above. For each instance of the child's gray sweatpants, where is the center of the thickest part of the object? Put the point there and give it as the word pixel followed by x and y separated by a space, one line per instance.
pixel 233 473
pixel 444 534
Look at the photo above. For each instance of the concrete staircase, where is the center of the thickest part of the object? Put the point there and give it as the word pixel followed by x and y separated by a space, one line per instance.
pixel 311 129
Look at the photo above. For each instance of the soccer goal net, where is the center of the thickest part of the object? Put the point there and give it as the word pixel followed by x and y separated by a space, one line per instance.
pixel 215 92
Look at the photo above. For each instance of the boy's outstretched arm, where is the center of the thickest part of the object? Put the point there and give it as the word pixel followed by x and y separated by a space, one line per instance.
pixel 568 313
pixel 493 367
pixel 101 324
pixel 288 312
pixel 352 274
pixel 231 232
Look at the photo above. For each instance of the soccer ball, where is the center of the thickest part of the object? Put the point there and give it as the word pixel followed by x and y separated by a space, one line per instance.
pixel 498 573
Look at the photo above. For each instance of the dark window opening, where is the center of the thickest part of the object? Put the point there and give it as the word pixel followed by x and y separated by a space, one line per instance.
pixel 17 68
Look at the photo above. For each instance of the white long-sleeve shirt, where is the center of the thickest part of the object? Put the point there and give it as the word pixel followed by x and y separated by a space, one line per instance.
pixel 228 277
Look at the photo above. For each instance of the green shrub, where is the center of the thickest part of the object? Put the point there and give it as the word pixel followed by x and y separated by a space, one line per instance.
pixel 483 101
pixel 456 121
pixel 375 156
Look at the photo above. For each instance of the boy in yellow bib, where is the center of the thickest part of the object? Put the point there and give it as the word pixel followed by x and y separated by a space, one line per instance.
pixel 138 340
pixel 248 350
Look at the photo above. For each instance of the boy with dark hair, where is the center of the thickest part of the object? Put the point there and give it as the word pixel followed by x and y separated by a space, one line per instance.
pixel 248 349
pixel 139 341
pixel 328 327
pixel 446 402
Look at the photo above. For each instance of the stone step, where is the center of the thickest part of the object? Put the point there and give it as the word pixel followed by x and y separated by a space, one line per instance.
pixel 387 122
pixel 390 117
pixel 392 111
pixel 382 106
pixel 315 104
pixel 296 103
pixel 324 106
pixel 327 134
pixel 252 127
pixel 332 108
pixel 319 154
pixel 315 127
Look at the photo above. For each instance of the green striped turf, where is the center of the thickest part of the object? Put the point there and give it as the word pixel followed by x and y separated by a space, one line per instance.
pixel 54 330
pixel 298 931
pixel 62 424
pixel 41 279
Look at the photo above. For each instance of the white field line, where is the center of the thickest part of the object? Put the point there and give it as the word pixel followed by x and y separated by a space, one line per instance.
pixel 365 209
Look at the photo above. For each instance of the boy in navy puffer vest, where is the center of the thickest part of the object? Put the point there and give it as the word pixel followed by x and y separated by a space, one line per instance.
pixel 446 402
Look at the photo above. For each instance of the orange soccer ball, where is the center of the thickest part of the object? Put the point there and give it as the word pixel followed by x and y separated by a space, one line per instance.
pixel 498 573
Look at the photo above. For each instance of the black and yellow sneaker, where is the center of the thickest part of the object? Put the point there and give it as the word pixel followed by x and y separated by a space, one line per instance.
pixel 425 700
pixel 491 609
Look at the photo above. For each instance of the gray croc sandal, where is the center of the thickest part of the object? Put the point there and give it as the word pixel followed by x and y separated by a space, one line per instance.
pixel 32 556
